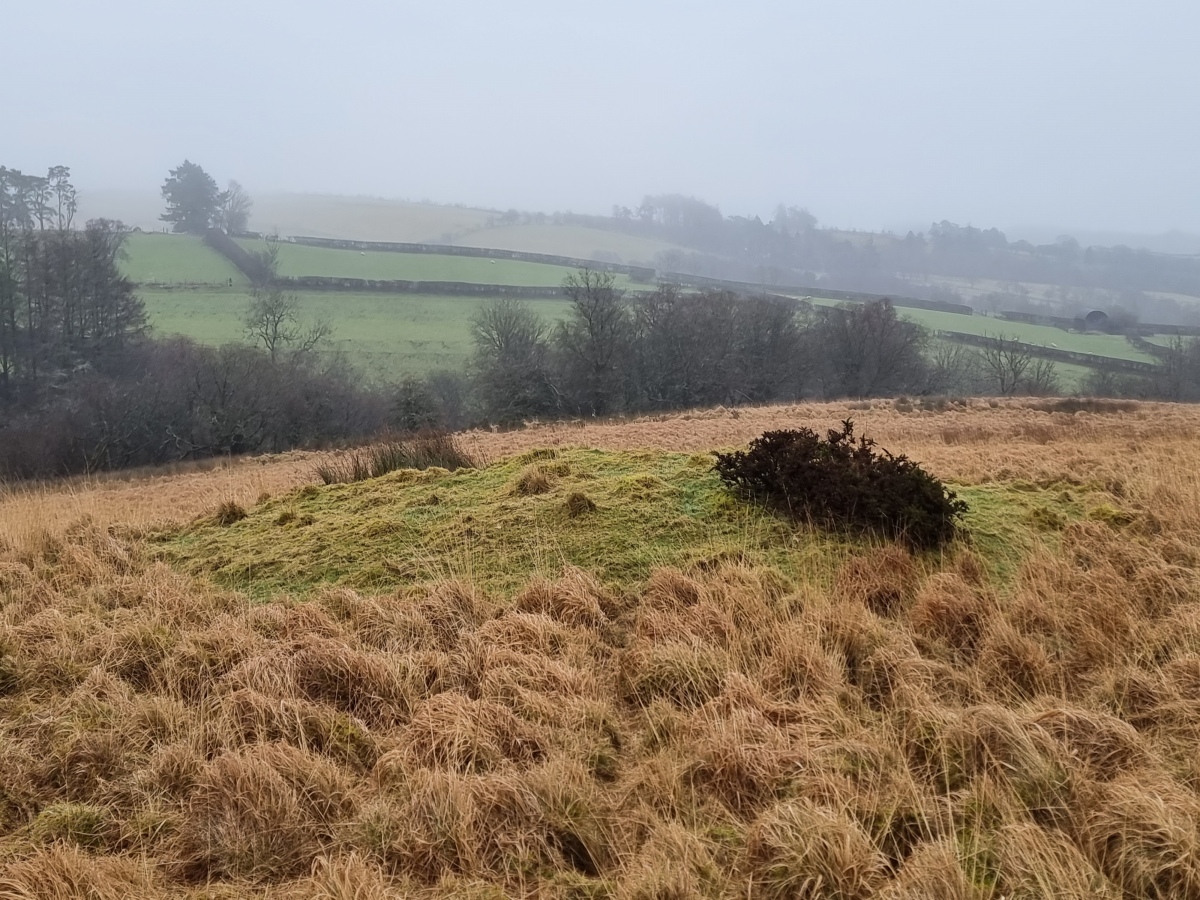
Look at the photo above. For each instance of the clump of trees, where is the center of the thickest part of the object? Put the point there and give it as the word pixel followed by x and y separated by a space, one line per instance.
pixel 1176 378
pixel 672 350
pixel 195 203
pixel 83 386
pixel 790 249
pixel 64 306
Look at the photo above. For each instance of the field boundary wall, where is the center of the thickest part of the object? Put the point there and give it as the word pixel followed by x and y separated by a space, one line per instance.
pixel 1078 324
pixel 444 288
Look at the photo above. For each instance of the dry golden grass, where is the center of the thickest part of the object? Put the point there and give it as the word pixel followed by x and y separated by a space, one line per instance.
pixel 895 729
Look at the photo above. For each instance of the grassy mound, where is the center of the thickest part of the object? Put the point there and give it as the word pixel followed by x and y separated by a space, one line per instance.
pixel 616 514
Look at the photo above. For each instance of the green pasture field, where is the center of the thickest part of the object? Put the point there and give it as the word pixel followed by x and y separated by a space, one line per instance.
pixel 175 259
pixel 389 335
pixel 364 218
pixel 383 265
pixel 1113 346
pixel 1168 340
pixel 1071 376
pixel 386 336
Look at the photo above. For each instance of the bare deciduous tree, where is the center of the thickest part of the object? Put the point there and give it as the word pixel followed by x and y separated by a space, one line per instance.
pixel 264 268
pixel 1005 360
pixel 1178 375
pixel 1041 378
pixel 594 342
pixel 273 323
pixel 234 214
pixel 511 362
pixel 953 369
pixel 870 351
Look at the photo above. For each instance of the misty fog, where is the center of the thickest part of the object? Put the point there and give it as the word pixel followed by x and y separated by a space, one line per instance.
pixel 1026 116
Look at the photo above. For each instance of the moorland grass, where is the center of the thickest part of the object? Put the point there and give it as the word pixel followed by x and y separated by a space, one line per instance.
pixel 866 723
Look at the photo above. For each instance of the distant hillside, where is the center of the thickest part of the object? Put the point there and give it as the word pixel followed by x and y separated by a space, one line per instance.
pixel 1177 242
pixel 570 240
pixel 377 219
pixel 318 215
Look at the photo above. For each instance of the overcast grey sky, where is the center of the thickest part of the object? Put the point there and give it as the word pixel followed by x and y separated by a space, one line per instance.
pixel 873 113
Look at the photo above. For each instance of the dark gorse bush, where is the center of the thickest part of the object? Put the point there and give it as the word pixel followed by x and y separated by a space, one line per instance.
pixel 844 482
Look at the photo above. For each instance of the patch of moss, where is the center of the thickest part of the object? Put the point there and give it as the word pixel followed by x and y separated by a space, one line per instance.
pixel 1006 520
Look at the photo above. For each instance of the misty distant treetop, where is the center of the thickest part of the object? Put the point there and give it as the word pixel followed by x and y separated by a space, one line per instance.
pixel 47 201
pixel 194 201
pixel 233 217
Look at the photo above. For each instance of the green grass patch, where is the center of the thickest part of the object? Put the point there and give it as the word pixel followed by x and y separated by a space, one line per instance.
pixel 570 240
pixel 1111 345
pixel 651 509
pixel 1009 519
pixel 176 259
pixel 385 336
pixel 384 265
pixel 1169 340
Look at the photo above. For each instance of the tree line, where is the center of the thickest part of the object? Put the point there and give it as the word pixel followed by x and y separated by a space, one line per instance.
pixel 672 349
pixel 616 354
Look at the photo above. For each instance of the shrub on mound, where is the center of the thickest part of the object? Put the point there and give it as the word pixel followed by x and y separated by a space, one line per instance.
pixel 844 482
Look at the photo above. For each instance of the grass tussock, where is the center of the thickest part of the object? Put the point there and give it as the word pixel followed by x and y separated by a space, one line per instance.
pixel 534 480
pixel 736 712
pixel 229 512
pixel 420 451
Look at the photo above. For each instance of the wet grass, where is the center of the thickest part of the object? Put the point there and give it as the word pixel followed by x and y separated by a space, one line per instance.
pixel 383 265
pixel 809 716
pixel 176 259
pixel 383 335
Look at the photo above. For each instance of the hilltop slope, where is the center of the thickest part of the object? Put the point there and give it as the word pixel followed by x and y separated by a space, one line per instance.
pixel 687 700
